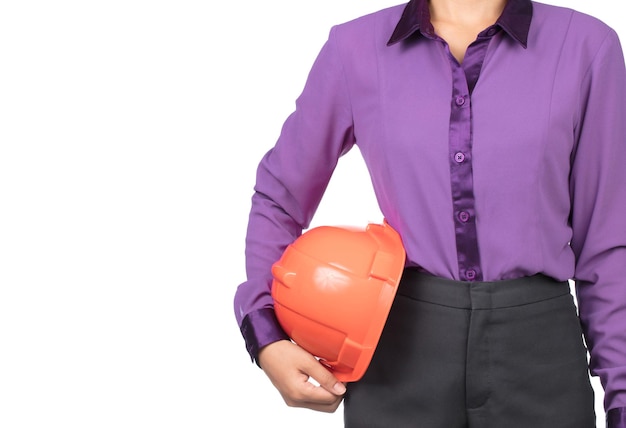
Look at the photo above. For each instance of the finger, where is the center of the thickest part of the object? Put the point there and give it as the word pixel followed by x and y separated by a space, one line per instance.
pixel 318 398
pixel 326 380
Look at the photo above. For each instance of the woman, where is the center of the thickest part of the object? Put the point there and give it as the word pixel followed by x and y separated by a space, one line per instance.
pixel 493 131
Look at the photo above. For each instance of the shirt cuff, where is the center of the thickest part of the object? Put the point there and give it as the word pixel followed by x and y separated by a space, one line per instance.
pixel 260 328
pixel 616 418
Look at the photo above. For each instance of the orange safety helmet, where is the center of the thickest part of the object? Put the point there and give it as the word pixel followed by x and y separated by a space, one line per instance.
pixel 333 288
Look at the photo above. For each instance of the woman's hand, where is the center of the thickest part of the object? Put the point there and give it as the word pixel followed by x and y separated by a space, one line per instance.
pixel 289 367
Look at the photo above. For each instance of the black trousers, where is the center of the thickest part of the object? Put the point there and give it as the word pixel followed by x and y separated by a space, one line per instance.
pixel 506 354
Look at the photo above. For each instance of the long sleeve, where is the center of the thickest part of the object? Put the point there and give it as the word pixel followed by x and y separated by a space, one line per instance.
pixel 598 191
pixel 291 179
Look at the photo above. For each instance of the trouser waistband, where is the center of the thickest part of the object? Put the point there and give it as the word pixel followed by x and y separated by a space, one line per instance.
pixel 480 294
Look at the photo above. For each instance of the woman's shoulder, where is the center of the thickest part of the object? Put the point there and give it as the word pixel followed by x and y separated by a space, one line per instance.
pixel 583 23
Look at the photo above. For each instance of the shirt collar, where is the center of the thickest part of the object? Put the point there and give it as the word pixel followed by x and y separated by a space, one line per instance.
pixel 515 20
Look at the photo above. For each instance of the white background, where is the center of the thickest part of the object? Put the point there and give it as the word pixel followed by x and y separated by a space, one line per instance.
pixel 129 136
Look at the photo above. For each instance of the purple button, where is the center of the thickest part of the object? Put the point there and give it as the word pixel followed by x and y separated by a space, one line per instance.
pixel 470 274
pixel 491 32
pixel 459 101
pixel 459 157
pixel 464 216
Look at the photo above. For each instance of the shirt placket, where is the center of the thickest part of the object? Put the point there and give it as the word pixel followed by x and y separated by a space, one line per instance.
pixel 464 78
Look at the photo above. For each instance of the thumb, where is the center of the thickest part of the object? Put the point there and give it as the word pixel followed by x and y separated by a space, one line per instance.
pixel 328 381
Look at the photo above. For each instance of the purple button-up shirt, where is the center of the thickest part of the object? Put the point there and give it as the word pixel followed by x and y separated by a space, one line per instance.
pixel 507 165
